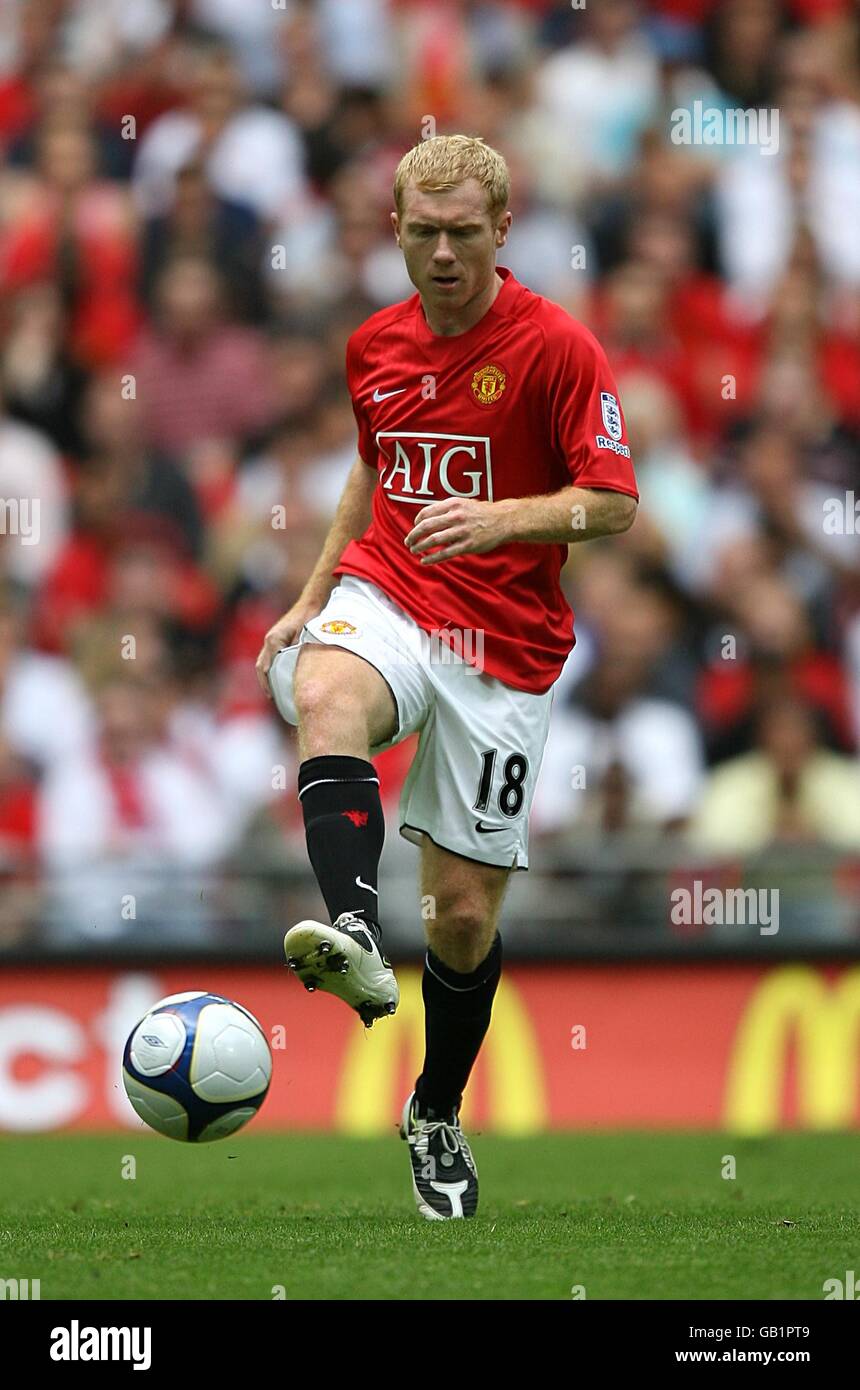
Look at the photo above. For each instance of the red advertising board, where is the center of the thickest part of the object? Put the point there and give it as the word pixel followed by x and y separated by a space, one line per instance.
pixel 748 1048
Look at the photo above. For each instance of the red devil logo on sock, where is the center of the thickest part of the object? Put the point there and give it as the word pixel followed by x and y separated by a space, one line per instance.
pixel 358 818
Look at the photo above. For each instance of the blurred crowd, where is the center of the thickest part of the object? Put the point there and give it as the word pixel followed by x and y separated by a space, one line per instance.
pixel 194 200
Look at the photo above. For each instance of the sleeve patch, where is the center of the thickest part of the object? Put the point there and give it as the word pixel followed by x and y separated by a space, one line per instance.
pixel 611 412
pixel 603 443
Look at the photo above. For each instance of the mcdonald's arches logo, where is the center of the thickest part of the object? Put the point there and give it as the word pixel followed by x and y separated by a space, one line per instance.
pixel 370 1090
pixel 796 1003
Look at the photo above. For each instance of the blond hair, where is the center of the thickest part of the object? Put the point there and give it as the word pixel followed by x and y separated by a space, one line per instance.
pixel 445 161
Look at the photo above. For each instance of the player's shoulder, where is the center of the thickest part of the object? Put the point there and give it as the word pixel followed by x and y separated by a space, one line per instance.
pixel 558 327
pixel 564 339
pixel 388 317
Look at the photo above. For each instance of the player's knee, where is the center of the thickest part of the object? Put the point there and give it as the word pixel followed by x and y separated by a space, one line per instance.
pixel 461 934
pixel 313 697
pixel 326 714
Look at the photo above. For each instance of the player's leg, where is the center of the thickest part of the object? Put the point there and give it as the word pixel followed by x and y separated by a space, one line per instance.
pixel 344 708
pixel 461 974
pixel 343 703
pixel 466 801
pixel 461 970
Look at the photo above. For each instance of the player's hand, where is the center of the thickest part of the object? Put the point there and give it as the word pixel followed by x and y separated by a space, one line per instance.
pixel 285 633
pixel 457 526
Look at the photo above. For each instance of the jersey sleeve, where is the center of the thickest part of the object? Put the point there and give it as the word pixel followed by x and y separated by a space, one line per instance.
pixel 587 422
pixel 366 443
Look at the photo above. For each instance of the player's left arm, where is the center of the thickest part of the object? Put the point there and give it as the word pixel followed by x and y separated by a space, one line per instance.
pixel 465 526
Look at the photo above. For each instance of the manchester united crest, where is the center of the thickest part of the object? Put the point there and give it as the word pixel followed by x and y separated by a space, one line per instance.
pixel 488 384
pixel 339 626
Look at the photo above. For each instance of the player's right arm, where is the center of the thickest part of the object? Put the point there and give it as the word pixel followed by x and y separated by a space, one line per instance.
pixel 351 520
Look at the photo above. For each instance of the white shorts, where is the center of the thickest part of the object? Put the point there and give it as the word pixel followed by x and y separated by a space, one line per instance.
pixel 472 780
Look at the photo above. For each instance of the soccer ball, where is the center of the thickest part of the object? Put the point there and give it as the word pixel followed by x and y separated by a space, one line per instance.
pixel 197 1067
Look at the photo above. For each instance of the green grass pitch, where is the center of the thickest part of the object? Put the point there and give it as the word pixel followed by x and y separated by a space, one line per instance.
pixel 626 1215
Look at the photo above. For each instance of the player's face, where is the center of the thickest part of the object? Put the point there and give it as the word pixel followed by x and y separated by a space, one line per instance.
pixel 449 242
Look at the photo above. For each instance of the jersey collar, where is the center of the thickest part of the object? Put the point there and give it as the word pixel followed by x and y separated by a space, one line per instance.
pixel 426 334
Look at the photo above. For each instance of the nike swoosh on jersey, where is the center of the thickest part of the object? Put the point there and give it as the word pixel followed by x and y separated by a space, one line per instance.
pixel 489 829
pixel 383 395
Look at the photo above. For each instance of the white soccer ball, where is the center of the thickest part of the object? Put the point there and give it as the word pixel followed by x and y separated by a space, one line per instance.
pixel 197 1067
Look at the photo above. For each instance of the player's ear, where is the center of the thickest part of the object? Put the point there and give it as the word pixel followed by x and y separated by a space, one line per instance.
pixel 502 229
pixel 395 222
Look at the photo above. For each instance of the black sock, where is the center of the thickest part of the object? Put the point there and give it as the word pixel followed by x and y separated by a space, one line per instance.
pixel 457 1010
pixel 345 830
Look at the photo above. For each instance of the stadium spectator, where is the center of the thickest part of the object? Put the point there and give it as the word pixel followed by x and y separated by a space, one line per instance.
pixel 63 221
pixel 176 300
pixel 45 712
pixel 775 651
pixel 142 481
pixel 252 154
pixel 764 203
pixel 123 818
pixel 619 757
pixel 602 91
pixel 198 376
pixel 42 382
pixel 790 790
pixel 201 225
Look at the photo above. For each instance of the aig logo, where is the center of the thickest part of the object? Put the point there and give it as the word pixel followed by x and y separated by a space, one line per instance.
pixel 426 468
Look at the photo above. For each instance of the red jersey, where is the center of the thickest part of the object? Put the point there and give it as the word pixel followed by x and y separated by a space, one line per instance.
pixel 521 404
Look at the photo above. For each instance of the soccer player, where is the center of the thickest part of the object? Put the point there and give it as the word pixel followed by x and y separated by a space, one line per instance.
pixel 490 437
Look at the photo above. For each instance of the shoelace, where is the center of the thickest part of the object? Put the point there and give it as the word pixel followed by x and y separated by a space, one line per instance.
pixel 348 920
pixel 453 1139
